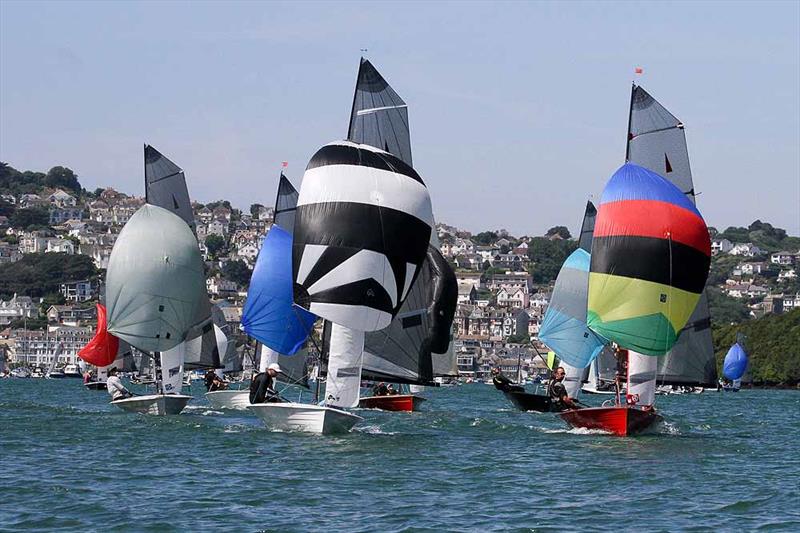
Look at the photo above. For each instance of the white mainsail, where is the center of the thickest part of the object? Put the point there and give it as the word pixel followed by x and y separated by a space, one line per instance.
pixel 346 356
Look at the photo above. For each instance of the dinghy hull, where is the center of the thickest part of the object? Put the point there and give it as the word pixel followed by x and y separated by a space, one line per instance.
pixel 619 420
pixel 307 418
pixel 154 404
pixel 397 402
pixel 96 385
pixel 229 399
pixel 525 401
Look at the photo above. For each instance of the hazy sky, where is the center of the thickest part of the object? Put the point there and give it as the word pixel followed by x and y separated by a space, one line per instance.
pixel 518 111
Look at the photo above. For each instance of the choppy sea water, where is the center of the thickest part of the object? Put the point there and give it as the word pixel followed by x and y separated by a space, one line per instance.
pixel 468 461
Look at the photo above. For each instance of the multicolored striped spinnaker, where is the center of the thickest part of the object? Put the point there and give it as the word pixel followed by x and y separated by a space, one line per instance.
pixel 650 258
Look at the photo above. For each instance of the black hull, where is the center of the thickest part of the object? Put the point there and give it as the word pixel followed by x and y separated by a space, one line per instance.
pixel 95 385
pixel 525 401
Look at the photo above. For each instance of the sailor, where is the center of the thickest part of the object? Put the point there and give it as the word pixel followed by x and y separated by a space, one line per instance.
pixel 558 393
pixel 115 387
pixel 380 389
pixel 501 382
pixel 391 391
pixel 208 379
pixel 261 386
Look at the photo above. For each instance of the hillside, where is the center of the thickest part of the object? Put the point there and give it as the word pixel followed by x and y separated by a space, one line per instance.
pixel 773 344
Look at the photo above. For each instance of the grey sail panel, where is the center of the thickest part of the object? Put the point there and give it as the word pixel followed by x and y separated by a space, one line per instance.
pixel 691 361
pixel 657 141
pixel 286 204
pixel 155 283
pixel 414 348
pixel 379 116
pixel 165 185
pixel 587 228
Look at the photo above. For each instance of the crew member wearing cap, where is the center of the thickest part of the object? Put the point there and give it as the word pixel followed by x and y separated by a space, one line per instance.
pixel 261 385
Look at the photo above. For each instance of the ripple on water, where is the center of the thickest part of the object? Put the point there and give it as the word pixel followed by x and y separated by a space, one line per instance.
pixel 468 461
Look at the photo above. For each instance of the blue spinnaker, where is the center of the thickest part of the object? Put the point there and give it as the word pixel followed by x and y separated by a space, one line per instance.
pixel 735 363
pixel 564 327
pixel 270 314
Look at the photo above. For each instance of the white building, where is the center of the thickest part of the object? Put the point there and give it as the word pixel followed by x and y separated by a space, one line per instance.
pixel 18 307
pixel 747 249
pixel 721 246
pixel 37 348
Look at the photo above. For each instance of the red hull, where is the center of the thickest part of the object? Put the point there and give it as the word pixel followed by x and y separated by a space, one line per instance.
pixel 623 421
pixel 398 402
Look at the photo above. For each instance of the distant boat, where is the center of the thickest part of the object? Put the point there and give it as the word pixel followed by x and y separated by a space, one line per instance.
pixel 72 371
pixel 734 367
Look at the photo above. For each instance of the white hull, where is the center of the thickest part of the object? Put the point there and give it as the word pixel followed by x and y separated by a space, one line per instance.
pixel 307 418
pixel 592 390
pixel 229 399
pixel 154 404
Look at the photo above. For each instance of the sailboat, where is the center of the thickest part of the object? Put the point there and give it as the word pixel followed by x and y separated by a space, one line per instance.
pixel 650 259
pixel 734 366
pixel 53 372
pixel 564 327
pixel 282 329
pixel 105 351
pixel 416 348
pixel 269 316
pixel 362 228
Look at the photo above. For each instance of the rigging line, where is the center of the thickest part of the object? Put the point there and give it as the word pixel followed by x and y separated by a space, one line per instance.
pixel 166 177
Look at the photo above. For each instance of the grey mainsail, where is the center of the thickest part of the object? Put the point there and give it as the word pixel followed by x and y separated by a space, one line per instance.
pixel 587 228
pixel 286 204
pixel 165 185
pixel 379 116
pixel 413 348
pixel 657 141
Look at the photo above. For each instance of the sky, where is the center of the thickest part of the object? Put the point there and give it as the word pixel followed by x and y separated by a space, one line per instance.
pixel 518 111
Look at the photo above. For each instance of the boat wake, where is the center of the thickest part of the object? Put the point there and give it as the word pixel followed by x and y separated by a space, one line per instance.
pixel 571 431
pixel 372 430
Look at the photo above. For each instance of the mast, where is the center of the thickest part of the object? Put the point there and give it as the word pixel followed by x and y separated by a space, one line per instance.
pixel 630 116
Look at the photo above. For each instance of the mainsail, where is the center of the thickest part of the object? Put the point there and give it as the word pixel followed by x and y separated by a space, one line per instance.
pixel 286 204
pixel 379 116
pixel 404 351
pixel 564 327
pixel 165 185
pixel 416 346
pixel 650 259
pixel 657 141
pixel 155 284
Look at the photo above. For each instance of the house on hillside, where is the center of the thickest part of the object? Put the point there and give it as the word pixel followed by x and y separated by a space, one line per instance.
pixel 747 249
pixel 783 258
pixel 62 199
pixel 721 246
pixel 77 291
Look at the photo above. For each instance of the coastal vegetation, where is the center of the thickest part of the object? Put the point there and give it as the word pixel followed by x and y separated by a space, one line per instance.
pixel 772 343
pixel 40 275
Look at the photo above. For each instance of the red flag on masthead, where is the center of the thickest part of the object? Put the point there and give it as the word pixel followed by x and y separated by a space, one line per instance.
pixel 638 70
pixel 285 164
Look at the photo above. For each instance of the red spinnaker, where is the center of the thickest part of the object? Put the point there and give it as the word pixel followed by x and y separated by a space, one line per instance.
pixel 102 349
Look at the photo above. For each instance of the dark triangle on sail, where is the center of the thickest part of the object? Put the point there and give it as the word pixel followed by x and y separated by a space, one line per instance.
pixel 379 116
pixel 286 204
pixel 587 228
pixel 165 185
pixel 406 351
pixel 653 133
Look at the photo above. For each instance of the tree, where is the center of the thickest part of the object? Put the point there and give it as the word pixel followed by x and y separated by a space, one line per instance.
pixel 548 256
pixel 238 272
pixel 62 177
pixel 214 244
pixel 559 230
pixel 6 209
pixel 31 218
pixel 255 209
pixel 41 274
pixel 485 238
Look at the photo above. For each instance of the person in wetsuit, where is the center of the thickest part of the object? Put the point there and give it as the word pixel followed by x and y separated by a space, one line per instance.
pixel 380 389
pixel 559 398
pixel 501 382
pixel 261 390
